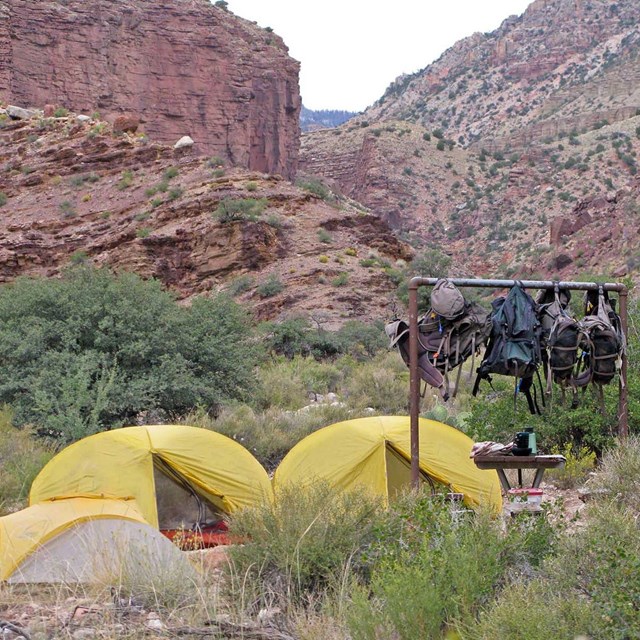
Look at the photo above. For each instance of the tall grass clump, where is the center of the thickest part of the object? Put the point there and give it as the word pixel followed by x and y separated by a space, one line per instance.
pixel 22 456
pixel 381 384
pixel 619 474
pixel 298 548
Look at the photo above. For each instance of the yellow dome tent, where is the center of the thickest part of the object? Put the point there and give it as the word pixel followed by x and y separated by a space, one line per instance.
pixel 375 453
pixel 178 475
pixel 82 540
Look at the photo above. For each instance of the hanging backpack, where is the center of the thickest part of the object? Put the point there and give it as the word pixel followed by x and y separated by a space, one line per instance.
pixel 451 331
pixel 561 338
pixel 604 339
pixel 514 347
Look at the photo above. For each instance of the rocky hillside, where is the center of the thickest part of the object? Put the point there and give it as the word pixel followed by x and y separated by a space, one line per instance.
pixel 563 65
pixel 495 153
pixel 74 190
pixel 184 67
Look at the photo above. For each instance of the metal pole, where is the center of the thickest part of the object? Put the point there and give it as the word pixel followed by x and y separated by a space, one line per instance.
pixel 623 401
pixel 414 380
pixel 414 384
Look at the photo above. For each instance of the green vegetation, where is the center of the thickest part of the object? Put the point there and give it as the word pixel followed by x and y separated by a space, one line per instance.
pixel 272 286
pixel 316 187
pixel 92 350
pixel 236 209
pixel 341 279
pixel 60 112
pixel 3 198
pixel 126 180
pixel 68 209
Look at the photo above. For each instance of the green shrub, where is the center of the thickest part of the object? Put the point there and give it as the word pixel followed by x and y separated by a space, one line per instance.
pixel 175 193
pixel 92 350
pixel 535 611
pixel 143 232
pixel 240 285
pixel 432 571
pixel 170 173
pixel 324 236
pixel 577 468
pixel 68 209
pixel 60 112
pixel 272 286
pixel 602 562
pixel 251 186
pixel 381 384
pixel 440 145
pixel 619 473
pixel 126 180
pixel 235 209
pixel 215 162
pixel 323 259
pixel 315 187
pixel 270 433
pixel 3 198
pixel 341 279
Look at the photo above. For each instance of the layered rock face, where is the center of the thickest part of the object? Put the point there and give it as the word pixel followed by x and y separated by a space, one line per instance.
pixel 183 67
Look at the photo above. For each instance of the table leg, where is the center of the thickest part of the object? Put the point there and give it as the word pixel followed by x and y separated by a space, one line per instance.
pixel 503 481
pixel 538 477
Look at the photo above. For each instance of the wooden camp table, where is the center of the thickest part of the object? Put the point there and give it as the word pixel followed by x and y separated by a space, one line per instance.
pixel 502 462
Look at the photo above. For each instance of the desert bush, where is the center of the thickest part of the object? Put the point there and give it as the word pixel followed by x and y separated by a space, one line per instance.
pixel 316 187
pixel 381 384
pixel 493 417
pixel 340 280
pixel 433 571
pixel 240 285
pixel 126 180
pixel 577 468
pixel 91 350
pixel 602 562
pixel 299 546
pixel 272 286
pixel 619 473
pixel 535 611
pixel 235 209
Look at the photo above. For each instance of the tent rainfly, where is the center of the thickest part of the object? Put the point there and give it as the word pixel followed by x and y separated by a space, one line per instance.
pixel 82 540
pixel 178 475
pixel 375 454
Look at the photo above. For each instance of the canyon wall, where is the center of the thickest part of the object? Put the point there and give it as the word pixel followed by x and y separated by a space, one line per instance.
pixel 184 67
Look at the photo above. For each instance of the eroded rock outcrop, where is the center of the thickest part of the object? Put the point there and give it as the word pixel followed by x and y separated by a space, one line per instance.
pixel 184 67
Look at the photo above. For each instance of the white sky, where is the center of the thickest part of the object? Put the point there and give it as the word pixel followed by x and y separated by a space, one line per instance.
pixel 350 51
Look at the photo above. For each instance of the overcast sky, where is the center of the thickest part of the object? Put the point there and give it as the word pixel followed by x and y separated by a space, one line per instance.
pixel 351 50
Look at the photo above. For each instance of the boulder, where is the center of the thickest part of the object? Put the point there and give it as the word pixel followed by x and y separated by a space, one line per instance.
pixel 18 113
pixel 185 141
pixel 126 124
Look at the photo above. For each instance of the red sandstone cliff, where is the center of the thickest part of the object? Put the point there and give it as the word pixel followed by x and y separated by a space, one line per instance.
pixel 184 67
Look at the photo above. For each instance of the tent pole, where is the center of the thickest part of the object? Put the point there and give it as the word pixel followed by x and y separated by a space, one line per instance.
pixel 414 382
